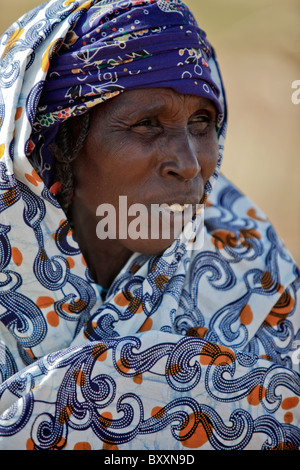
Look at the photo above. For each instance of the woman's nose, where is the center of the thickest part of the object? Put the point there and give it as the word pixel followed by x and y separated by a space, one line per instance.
pixel 180 159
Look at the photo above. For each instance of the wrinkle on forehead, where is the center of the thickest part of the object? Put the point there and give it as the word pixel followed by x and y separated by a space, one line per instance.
pixel 152 101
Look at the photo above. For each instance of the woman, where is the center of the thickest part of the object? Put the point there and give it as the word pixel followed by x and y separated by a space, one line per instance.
pixel 116 342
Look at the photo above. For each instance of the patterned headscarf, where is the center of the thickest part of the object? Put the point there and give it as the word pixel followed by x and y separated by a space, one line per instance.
pixel 191 348
pixel 112 47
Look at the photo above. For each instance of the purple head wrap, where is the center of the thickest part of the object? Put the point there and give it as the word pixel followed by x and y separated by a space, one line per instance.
pixel 116 46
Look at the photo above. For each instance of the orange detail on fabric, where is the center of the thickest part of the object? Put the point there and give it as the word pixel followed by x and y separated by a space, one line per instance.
pixel 147 325
pixel 43 255
pixel 266 356
pixel 123 365
pixel 272 320
pixel 138 379
pixel 29 351
pixel 31 179
pixel 36 176
pixel 52 318
pixel 281 309
pixel 135 305
pixel 134 268
pixel 198 332
pixel 154 267
pixel 59 444
pixel 289 403
pixel 256 395
pixel 140 309
pixel 223 238
pixel 55 188
pixel 48 54
pixel 266 280
pixel 15 35
pixel 30 147
pixel 86 5
pixel 122 299
pixel 44 302
pixel 65 414
pixel 267 283
pixel 246 315
pixel 286 446
pixel 196 430
pixel 18 113
pixel 66 307
pixel 82 446
pixel 2 150
pixel 173 369
pixel 106 419
pixel 279 287
pixel 99 352
pixel 78 306
pixel 253 214
pixel 158 412
pixel 213 354
pixel 288 417
pixel 30 445
pixel 9 197
pixel 16 256
pixel 246 235
pixel 250 233
pixel 161 280
pixel 90 327
pixel 79 378
pixel 71 262
pixel 107 446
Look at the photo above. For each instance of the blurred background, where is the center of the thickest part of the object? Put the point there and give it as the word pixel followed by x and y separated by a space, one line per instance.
pixel 258 46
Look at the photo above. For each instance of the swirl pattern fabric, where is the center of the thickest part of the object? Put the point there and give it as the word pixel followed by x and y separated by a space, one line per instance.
pixel 194 349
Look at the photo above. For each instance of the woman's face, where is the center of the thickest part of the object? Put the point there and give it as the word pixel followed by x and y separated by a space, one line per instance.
pixel 152 146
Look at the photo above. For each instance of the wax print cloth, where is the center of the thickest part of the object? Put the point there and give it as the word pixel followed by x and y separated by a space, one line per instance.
pixel 195 349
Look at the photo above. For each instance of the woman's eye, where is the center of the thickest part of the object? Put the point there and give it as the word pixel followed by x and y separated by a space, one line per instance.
pixel 143 123
pixel 200 123
pixel 147 126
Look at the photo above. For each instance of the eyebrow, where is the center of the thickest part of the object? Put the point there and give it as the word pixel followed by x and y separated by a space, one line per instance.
pixel 148 109
pixel 156 107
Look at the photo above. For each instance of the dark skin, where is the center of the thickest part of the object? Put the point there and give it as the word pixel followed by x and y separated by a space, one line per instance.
pixel 153 146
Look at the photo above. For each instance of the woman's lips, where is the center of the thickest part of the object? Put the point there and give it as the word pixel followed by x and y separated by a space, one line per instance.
pixel 184 208
pixel 181 212
pixel 178 202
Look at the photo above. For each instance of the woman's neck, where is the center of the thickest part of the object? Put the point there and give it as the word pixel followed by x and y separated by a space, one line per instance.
pixel 104 258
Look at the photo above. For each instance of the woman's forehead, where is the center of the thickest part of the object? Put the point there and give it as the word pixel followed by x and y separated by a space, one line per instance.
pixel 153 101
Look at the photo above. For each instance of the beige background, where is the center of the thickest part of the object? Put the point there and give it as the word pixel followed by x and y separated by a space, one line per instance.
pixel 258 47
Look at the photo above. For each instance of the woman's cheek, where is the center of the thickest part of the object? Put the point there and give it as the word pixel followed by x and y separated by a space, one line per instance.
pixel 212 156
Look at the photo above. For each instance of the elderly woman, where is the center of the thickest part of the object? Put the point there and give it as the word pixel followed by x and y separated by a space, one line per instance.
pixel 113 338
